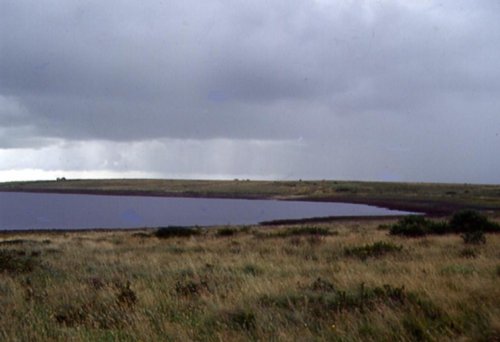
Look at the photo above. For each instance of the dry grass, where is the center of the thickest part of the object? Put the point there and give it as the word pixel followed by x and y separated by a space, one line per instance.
pixel 256 283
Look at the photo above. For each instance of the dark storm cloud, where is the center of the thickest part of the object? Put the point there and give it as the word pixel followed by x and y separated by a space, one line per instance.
pixel 376 81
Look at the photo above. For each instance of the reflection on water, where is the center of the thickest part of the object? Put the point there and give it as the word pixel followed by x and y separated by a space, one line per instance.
pixel 70 211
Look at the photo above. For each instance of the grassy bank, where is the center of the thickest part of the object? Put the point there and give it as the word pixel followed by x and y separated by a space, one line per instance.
pixel 431 198
pixel 348 280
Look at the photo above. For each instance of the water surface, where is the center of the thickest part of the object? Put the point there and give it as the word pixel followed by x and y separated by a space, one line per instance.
pixel 21 211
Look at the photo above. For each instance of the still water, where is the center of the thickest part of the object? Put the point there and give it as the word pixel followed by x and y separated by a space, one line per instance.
pixel 70 211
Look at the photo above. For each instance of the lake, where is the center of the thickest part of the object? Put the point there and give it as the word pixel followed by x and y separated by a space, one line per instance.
pixel 22 211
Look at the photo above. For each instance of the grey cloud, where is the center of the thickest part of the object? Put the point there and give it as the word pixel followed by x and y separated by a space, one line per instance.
pixel 385 79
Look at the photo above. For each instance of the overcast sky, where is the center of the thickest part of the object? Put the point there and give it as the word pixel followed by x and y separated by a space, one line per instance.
pixel 347 89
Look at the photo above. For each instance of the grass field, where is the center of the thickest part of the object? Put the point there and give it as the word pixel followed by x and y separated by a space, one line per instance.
pixel 432 198
pixel 342 281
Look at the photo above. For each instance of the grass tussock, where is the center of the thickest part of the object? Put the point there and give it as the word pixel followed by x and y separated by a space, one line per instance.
pixel 377 249
pixel 303 283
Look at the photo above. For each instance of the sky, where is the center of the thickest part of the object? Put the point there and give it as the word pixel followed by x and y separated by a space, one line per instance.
pixel 399 90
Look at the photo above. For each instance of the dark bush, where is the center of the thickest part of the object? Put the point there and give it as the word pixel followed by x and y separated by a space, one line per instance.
pixel 71 315
pixel 472 221
pixel 412 225
pixel 242 319
pixel 126 295
pixel 475 238
pixel 224 232
pixel 467 221
pixel 175 231
pixel 438 228
pixel 15 261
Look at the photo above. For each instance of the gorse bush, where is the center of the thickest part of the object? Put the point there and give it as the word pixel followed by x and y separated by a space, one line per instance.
pixel 17 261
pixel 224 232
pixel 467 221
pixel 175 231
pixel 472 221
pixel 412 225
pixel 241 319
pixel 474 238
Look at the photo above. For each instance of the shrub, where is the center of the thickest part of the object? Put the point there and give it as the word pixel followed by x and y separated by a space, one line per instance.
pixel 224 232
pixel 126 295
pixel 242 319
pixel 472 221
pixel 15 261
pixel 175 231
pixel 438 228
pixel 467 221
pixel 374 250
pixel 412 225
pixel 475 238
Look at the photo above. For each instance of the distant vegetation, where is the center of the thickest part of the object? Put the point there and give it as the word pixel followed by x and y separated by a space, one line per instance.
pixel 469 222
pixel 176 231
